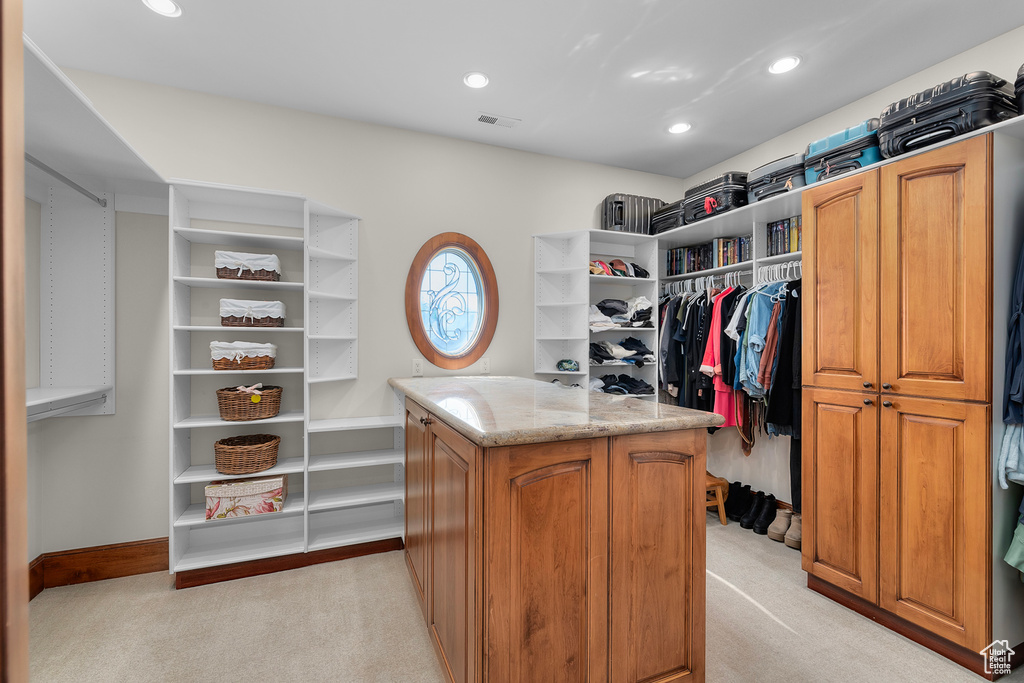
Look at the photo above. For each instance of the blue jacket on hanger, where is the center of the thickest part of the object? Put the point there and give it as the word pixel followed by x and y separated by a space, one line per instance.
pixel 1013 392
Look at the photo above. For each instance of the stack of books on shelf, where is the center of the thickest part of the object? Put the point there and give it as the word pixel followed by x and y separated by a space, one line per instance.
pixel 724 251
pixel 785 237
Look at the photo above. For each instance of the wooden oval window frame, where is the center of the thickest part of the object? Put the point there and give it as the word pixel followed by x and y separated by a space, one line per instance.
pixel 488 283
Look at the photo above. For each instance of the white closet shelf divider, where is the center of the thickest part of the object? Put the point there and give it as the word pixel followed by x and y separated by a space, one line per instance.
pixel 332 337
pixel 220 283
pixel 558 304
pixel 356 495
pixel 620 280
pixel 216 551
pixel 621 330
pixel 336 297
pixel 241 239
pixel 780 258
pixel 211 371
pixel 195 514
pixel 349 423
pixel 341 461
pixel 214 421
pixel 330 378
pixel 233 330
pixel 197 474
pixel 355 532
pixel 316 252
pixel 743 265
pixel 565 270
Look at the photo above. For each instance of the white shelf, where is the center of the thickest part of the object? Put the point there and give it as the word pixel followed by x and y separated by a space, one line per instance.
pixel 332 378
pixel 333 297
pixel 561 338
pixel 316 252
pixel 210 371
pixel 341 461
pixel 620 364
pixel 599 330
pixel 566 270
pixel 209 553
pixel 218 283
pixel 197 474
pixel 43 402
pixel 331 337
pixel 240 239
pixel 347 423
pixel 225 328
pixel 563 303
pixel 779 258
pixel 195 514
pixel 214 421
pixel 355 495
pixel 619 280
pixel 357 532
pixel 743 265
pixel 560 372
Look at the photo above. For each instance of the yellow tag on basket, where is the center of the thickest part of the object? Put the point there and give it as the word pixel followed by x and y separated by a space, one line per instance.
pixel 255 398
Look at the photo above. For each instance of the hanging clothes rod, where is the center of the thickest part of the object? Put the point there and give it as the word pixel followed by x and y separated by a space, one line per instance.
pixel 64 179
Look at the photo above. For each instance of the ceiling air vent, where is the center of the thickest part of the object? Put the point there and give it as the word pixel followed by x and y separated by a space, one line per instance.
pixel 495 120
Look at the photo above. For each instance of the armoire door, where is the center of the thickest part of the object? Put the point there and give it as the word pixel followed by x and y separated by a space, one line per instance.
pixel 934 550
pixel 936 255
pixel 840 489
pixel 455 552
pixel 840 262
pixel 657 557
pixel 417 501
pixel 547 562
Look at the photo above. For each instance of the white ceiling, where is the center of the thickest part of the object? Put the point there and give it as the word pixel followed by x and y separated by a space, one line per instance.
pixel 597 80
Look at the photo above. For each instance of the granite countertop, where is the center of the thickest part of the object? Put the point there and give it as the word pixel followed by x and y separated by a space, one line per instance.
pixel 508 411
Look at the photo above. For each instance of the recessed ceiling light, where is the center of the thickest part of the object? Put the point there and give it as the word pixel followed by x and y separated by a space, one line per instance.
pixel 781 66
pixel 474 79
pixel 167 8
pixel 678 128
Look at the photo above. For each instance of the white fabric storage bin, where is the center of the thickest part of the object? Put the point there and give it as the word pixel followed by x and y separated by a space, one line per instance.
pixel 246 313
pixel 244 266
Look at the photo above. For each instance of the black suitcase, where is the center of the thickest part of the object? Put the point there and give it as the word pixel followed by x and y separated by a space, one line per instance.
pixel 1019 90
pixel 667 217
pixel 781 175
pixel 715 196
pixel 949 109
pixel 629 213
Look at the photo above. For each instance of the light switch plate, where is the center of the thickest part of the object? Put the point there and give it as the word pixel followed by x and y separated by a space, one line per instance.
pixel 417 367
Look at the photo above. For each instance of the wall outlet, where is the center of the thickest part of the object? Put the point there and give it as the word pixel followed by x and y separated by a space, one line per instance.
pixel 417 367
pixel 485 366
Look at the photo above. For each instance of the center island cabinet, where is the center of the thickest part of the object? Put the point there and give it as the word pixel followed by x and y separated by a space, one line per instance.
pixel 555 534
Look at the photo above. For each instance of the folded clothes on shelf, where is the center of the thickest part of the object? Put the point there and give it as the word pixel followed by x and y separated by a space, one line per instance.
pixel 618 268
pixel 621 384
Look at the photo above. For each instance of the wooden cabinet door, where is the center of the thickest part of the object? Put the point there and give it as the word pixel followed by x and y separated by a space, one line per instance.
pixel 454 555
pixel 547 562
pixel 840 261
pixel 840 489
pixel 658 557
pixel 934 551
pixel 417 501
pixel 936 321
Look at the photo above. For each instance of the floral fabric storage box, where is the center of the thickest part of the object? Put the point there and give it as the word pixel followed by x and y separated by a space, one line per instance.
pixel 245 497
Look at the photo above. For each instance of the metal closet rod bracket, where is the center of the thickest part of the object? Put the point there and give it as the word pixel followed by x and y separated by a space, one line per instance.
pixel 64 179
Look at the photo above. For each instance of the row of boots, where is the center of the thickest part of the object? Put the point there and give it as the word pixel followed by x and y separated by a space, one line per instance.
pixel 759 511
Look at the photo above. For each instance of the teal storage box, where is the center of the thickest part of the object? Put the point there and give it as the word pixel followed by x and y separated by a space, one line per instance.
pixel 842 152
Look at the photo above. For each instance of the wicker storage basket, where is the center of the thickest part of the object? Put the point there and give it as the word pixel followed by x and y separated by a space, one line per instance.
pixel 239 406
pixel 246 313
pixel 242 355
pixel 246 454
pixel 237 265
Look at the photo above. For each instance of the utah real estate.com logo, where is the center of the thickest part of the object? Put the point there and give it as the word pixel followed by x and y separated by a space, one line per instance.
pixel 997 657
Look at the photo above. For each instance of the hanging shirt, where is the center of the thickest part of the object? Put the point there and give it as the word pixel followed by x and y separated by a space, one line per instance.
pixel 711 364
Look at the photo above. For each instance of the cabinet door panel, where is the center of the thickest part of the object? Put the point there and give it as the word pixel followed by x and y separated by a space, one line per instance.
pixel 935 558
pixel 840 490
pixel 936 268
pixel 840 259
pixel 657 555
pixel 547 525
pixel 417 514
pixel 453 556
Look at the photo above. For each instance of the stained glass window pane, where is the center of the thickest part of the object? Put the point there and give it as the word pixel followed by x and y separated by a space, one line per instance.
pixel 452 302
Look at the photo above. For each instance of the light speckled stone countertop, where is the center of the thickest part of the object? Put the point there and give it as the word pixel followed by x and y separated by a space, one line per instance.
pixel 508 411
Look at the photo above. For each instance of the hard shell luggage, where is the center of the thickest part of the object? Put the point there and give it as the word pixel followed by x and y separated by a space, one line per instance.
pixel 629 213
pixel 842 152
pixel 1019 90
pixel 775 177
pixel 949 109
pixel 715 196
pixel 667 217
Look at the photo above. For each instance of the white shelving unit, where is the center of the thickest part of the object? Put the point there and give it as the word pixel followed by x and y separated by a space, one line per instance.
pixel 564 289
pixel 333 498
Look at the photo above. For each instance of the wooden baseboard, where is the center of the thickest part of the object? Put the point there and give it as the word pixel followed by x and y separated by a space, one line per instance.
pixel 966 658
pixel 239 570
pixel 82 565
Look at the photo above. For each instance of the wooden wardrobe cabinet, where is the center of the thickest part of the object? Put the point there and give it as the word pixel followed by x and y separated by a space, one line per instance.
pixel 898 370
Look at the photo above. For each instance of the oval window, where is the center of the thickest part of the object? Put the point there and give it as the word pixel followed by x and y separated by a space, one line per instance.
pixel 451 300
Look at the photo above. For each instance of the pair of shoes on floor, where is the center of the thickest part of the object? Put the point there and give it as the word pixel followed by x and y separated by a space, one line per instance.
pixel 738 500
pixel 787 528
pixel 760 514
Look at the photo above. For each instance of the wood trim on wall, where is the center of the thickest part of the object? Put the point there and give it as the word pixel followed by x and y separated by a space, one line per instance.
pixel 13 466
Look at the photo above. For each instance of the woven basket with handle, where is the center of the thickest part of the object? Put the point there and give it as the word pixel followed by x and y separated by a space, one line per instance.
pixel 246 454
pixel 239 406
pixel 246 363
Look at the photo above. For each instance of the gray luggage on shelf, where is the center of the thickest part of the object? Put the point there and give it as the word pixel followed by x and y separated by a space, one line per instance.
pixel 775 177
pixel 629 213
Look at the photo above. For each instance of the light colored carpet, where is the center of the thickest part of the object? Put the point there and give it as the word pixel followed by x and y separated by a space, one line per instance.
pixel 358 620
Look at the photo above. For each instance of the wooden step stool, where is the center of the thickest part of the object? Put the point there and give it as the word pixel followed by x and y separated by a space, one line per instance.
pixel 718 491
